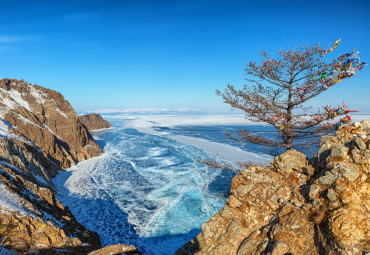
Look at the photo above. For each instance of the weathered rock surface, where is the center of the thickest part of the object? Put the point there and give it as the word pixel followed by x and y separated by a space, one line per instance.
pixel 297 206
pixel 31 217
pixel 45 119
pixel 94 121
pixel 116 249
pixel 39 134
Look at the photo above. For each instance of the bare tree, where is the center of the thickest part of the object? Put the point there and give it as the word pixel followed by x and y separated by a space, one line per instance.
pixel 277 89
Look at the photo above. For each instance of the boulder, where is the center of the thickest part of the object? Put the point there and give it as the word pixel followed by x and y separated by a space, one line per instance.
pixel 116 249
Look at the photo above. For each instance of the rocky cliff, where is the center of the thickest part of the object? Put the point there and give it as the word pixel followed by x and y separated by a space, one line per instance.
pixel 40 134
pixel 298 206
pixel 94 121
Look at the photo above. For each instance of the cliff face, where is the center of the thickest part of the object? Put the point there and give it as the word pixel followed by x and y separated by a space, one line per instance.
pixel 45 119
pixel 94 121
pixel 39 134
pixel 296 206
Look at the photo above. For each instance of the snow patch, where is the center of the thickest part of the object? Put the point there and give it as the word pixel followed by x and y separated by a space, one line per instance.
pixel 17 99
pixel 9 202
pixel 38 95
pixel 60 112
pixel 42 97
pixel 9 103
pixel 4 131
pixel 41 179
pixel 11 166
pixel 27 121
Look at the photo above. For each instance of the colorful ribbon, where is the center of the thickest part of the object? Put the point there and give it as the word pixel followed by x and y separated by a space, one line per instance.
pixel 334 46
pixel 349 64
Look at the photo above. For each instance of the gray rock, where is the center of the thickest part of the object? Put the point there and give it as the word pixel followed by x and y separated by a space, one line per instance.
pixel 356 156
pixel 324 152
pixel 331 195
pixel 327 179
pixel 339 152
pixel 349 171
pixel 367 154
pixel 289 161
pixel 360 143
pixel 366 125
pixel 324 139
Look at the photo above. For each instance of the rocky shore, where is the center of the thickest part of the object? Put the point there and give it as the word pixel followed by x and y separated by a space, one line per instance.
pixel 40 134
pixel 296 205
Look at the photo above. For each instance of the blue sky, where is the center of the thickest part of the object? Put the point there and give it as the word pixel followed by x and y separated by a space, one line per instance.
pixel 171 54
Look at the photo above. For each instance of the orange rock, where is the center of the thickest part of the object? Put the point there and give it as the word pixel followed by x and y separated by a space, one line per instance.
pixel 285 209
pixel 45 136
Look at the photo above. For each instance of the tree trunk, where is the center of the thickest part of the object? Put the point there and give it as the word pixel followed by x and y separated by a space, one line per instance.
pixel 289 115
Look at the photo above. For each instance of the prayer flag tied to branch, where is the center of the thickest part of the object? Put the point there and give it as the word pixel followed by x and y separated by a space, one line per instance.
pixel 335 45
pixel 278 87
pixel 346 67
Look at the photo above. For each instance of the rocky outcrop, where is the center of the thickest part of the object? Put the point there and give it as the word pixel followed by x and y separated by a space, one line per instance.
pixel 39 134
pixel 298 206
pixel 94 121
pixel 32 218
pixel 44 119
pixel 116 249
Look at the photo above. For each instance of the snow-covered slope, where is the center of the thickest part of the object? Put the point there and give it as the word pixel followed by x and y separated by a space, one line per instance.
pixel 39 134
